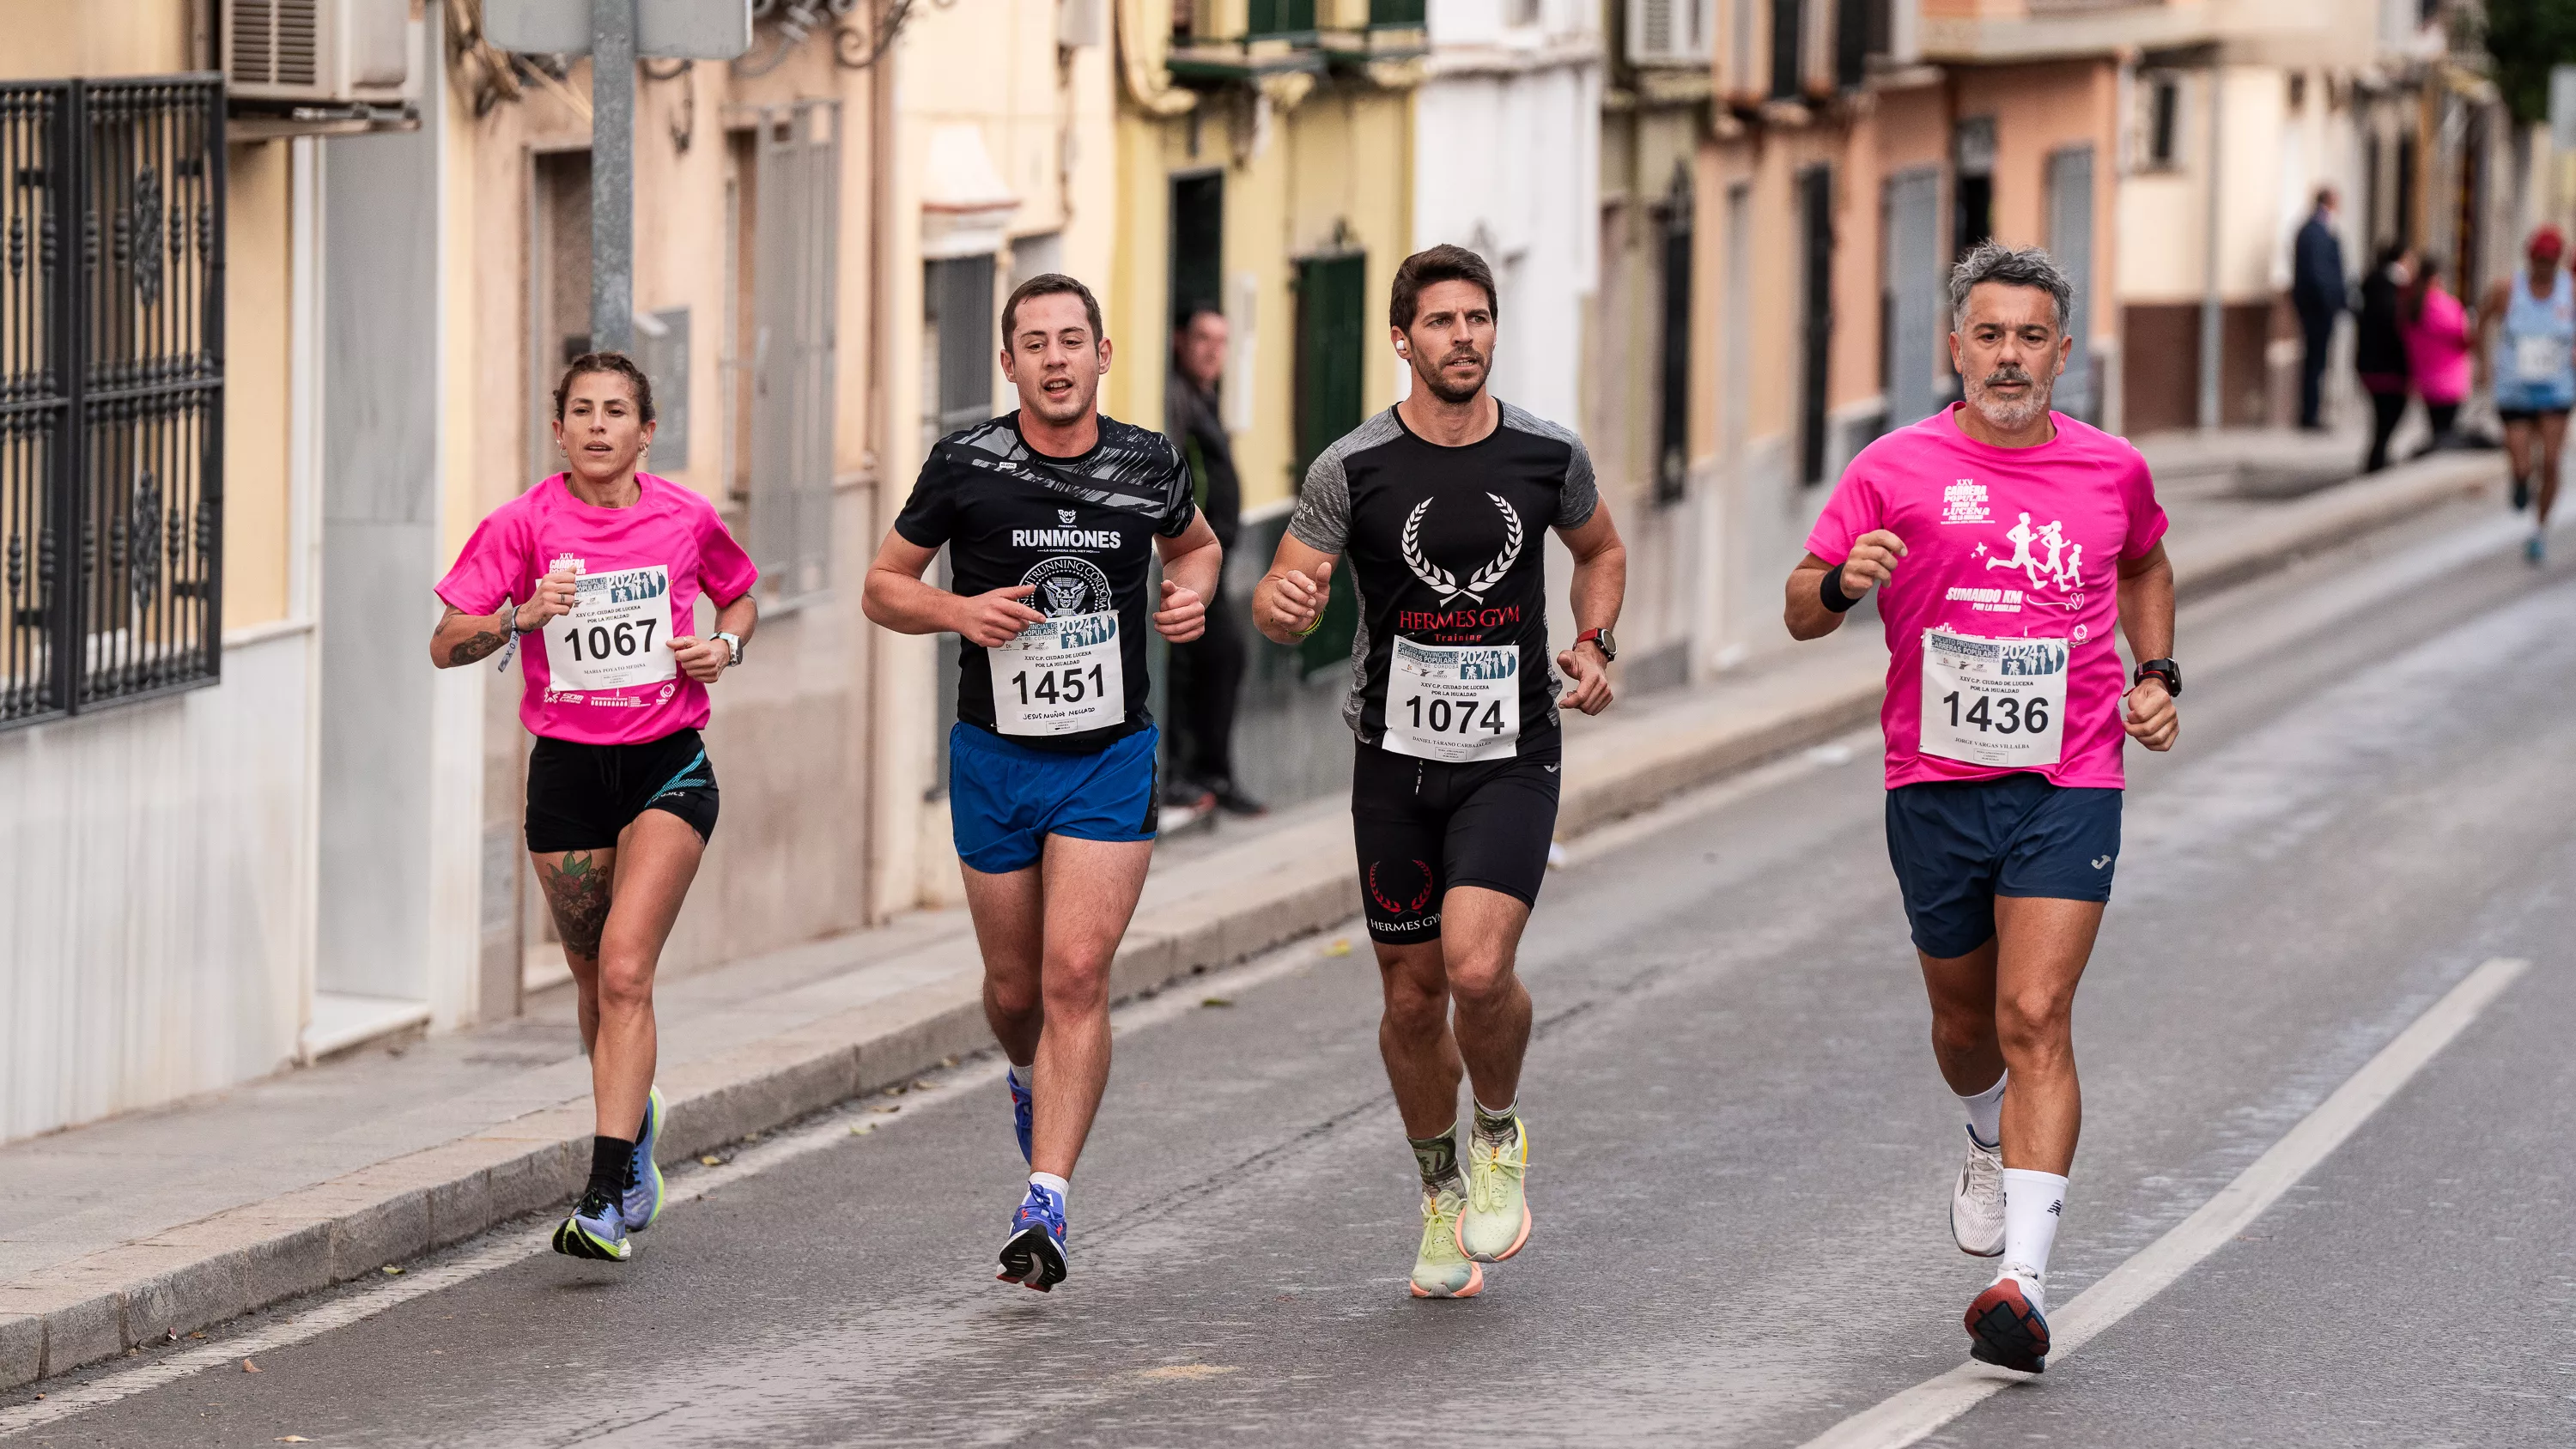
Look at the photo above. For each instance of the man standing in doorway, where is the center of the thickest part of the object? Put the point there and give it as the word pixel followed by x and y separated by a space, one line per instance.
pixel 1207 673
pixel 2317 290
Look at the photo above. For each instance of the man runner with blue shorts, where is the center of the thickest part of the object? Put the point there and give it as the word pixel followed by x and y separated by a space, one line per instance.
pixel 1051 515
pixel 2530 321
pixel 2008 545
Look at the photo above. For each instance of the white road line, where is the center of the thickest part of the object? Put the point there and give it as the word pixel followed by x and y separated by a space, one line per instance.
pixel 1909 1416
pixel 858 1117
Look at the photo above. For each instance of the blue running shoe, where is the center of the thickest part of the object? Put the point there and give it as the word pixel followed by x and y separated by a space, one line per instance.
pixel 642 1202
pixel 1033 1257
pixel 596 1229
pixel 2534 550
pixel 1023 1111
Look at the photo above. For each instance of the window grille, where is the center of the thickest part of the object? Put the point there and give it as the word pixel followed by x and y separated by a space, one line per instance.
pixel 111 392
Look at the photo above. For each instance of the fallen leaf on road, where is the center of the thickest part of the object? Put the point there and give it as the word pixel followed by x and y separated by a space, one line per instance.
pixel 391 1271
pixel 248 1367
pixel 710 1160
pixel 293 1439
pixel 1340 947
pixel 885 1109
pixel 1216 1001
pixel 948 1061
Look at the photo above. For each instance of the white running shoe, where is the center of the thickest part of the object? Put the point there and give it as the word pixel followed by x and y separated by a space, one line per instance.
pixel 1977 1202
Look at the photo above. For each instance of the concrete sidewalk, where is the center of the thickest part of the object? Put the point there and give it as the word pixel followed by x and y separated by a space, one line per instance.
pixel 163 1222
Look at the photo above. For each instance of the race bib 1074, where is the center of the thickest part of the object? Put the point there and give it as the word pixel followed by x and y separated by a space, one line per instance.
pixel 1999 702
pixel 1453 703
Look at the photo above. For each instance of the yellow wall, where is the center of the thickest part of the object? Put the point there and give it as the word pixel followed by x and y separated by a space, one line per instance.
pixel 257 276
pixel 54 38
pixel 1337 166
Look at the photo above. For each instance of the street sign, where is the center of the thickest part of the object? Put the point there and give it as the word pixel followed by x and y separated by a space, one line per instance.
pixel 665 29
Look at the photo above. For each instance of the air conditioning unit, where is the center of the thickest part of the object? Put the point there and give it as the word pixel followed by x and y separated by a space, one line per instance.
pixel 318 52
pixel 1672 32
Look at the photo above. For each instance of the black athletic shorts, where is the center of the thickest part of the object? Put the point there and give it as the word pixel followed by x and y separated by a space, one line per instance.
pixel 580 797
pixel 2528 415
pixel 1423 826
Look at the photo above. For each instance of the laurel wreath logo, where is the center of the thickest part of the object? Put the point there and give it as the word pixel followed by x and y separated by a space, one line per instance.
pixel 1419 901
pixel 1482 580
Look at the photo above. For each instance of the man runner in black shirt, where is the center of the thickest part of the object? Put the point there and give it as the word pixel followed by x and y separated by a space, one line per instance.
pixel 1051 516
pixel 1438 503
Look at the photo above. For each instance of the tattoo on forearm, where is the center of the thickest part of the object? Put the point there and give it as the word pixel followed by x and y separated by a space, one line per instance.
pixel 577 892
pixel 473 646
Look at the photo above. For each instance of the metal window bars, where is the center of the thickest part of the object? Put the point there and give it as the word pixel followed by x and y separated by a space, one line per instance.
pixel 111 392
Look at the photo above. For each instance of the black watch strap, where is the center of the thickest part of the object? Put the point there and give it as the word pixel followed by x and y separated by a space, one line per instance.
pixel 2163 669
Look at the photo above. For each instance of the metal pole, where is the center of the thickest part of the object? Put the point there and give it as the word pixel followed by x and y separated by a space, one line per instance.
pixel 612 175
pixel 2212 352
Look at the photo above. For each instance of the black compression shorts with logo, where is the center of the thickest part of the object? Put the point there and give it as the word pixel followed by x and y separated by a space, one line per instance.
pixel 580 797
pixel 1423 826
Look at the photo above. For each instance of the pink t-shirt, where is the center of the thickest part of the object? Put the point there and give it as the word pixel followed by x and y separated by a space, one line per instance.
pixel 2001 543
pixel 643 567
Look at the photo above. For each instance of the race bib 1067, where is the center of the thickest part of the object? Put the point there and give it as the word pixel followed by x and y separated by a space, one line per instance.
pixel 1999 702
pixel 618 634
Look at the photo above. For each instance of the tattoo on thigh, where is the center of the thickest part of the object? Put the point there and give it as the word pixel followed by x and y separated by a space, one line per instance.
pixel 577 892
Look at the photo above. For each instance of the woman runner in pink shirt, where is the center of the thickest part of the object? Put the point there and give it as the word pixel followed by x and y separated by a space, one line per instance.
pixel 603 565
pixel 2007 545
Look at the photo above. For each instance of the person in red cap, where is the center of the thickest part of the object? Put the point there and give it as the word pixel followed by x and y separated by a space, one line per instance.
pixel 2528 325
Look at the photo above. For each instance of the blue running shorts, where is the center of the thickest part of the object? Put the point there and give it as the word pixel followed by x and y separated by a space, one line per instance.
pixel 1005 798
pixel 1958 844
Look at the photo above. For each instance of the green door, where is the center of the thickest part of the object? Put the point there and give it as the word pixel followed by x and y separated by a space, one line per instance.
pixel 1331 333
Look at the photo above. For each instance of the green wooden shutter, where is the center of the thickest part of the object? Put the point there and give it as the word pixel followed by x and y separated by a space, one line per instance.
pixel 1331 335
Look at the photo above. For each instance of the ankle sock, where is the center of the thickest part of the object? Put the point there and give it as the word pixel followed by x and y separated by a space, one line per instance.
pixel 2034 1202
pixel 1024 1075
pixel 1062 1189
pixel 1986 1113
pixel 1438 1159
pixel 609 1157
pixel 1495 1123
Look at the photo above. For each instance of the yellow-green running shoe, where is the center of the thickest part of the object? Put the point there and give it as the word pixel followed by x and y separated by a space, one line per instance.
pixel 1497 1219
pixel 1440 1270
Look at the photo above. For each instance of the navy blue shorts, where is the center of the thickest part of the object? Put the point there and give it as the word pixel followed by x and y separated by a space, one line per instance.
pixel 1958 844
pixel 1004 798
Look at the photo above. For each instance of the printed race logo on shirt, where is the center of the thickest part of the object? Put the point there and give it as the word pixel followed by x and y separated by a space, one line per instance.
pixel 1068 586
pixel 2046 562
pixel 1965 502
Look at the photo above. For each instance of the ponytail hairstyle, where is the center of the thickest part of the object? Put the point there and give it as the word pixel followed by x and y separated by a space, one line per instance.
pixel 616 362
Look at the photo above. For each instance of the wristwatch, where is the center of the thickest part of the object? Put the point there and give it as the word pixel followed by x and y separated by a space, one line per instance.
pixel 1600 639
pixel 2163 669
pixel 733 645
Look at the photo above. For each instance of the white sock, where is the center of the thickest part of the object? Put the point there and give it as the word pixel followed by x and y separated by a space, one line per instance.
pixel 1064 1190
pixel 1024 1075
pixel 2033 1203
pixel 1986 1113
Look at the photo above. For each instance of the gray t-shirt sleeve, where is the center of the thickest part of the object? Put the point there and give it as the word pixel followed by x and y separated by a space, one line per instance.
pixel 1581 494
pixel 1322 521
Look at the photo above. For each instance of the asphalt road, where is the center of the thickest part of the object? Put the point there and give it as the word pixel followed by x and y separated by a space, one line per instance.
pixel 1741 1150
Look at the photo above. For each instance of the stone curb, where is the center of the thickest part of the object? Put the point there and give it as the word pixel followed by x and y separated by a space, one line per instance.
pixel 235 1262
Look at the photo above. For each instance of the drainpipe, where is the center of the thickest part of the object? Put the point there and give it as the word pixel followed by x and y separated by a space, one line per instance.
pixel 2212 355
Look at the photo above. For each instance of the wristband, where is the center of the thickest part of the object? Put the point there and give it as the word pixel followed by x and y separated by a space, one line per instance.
pixel 1831 594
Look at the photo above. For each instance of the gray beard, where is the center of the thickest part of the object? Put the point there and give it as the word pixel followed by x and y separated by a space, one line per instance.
pixel 2011 416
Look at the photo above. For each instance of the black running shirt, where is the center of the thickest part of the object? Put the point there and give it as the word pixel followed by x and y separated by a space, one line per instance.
pixel 1445 548
pixel 1081 529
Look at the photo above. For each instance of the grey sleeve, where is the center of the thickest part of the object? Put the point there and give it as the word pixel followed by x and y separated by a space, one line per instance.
pixel 1322 521
pixel 1581 494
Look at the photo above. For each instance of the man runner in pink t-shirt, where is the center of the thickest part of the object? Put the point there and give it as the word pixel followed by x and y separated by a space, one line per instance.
pixel 2007 544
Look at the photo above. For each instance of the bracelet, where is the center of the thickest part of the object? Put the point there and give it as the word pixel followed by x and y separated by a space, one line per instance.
pixel 1831 594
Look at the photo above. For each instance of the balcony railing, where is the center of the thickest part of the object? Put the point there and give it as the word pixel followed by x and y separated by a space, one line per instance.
pixel 1273 19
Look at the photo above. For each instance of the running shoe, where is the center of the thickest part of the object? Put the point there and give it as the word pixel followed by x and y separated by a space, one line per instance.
pixel 1440 1269
pixel 2008 1324
pixel 1977 1201
pixel 2533 549
pixel 642 1202
pixel 1497 1219
pixel 2521 493
pixel 596 1229
pixel 1034 1255
pixel 1023 1112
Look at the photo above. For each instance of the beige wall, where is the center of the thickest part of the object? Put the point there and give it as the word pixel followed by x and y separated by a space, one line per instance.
pixel 257 277
pixel 54 38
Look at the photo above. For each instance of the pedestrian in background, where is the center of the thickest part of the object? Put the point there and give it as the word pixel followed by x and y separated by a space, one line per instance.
pixel 1207 674
pixel 2379 350
pixel 2437 348
pixel 2318 291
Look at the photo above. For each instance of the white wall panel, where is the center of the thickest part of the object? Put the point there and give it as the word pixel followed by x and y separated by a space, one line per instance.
pixel 155 877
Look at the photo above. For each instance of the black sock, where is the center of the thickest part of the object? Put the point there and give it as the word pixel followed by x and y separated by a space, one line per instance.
pixel 1437 1157
pixel 609 1158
